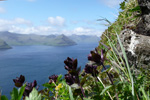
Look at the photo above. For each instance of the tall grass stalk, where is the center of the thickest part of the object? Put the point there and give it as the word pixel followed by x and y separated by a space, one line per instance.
pixel 116 57
pixel 104 87
pixel 144 94
pixel 127 64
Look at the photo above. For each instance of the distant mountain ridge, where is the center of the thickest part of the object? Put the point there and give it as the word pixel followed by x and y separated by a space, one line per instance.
pixel 15 39
pixel 85 38
pixel 32 39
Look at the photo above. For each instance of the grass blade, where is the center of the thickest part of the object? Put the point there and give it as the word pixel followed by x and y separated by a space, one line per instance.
pixel 70 93
pixel 126 60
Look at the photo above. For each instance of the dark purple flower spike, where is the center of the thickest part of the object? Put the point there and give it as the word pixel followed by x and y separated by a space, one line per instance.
pixel 91 69
pixel 99 60
pixel 69 79
pixel 53 78
pixel 96 57
pixel 19 81
pixel 71 64
pixel 29 88
pixel 73 71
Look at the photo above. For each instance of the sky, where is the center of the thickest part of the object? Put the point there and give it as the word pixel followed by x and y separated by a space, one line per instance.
pixel 46 17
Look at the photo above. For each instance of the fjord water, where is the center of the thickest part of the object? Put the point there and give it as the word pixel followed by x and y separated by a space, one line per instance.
pixel 38 63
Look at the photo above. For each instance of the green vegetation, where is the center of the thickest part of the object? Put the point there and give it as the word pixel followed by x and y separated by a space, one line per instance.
pixel 128 18
pixel 107 76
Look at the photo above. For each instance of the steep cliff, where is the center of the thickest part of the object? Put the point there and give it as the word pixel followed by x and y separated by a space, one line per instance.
pixel 133 27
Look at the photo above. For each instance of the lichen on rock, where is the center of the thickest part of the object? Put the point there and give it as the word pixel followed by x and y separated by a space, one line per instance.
pixel 137 48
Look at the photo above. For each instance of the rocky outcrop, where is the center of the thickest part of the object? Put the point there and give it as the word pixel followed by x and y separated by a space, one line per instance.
pixel 137 47
pixel 143 26
pixel 137 42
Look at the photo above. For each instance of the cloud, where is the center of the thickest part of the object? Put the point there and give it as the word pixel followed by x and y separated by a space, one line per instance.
pixel 23 26
pixel 6 25
pixel 40 30
pixel 22 21
pixel 111 3
pixel 2 10
pixel 56 21
pixel 47 30
pixel 15 21
pixel 86 31
pixel 20 25
pixel 83 31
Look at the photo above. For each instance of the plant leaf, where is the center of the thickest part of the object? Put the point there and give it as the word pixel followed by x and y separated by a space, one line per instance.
pixel 34 95
pixel 21 91
pixel 144 94
pixel 137 8
pixel 105 89
pixel 122 5
pixel 70 93
pixel 83 80
pixel 3 97
pixel 59 78
pixel 14 94
pixel 49 85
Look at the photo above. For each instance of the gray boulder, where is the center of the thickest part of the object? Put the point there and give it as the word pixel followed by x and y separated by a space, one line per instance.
pixel 137 48
pixel 143 26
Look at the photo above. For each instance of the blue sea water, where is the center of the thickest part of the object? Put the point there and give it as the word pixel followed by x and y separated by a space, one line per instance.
pixel 38 63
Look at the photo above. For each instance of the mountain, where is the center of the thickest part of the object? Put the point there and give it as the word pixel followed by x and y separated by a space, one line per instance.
pixel 60 40
pixel 32 39
pixel 4 45
pixel 84 38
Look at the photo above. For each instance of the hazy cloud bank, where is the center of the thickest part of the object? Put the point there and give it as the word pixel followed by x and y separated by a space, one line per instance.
pixel 56 25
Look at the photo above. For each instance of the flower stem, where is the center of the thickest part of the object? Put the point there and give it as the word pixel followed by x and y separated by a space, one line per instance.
pixel 81 88
pixel 108 75
pixel 82 91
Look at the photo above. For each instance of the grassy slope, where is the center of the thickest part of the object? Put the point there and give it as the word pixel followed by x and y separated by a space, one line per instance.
pixel 127 18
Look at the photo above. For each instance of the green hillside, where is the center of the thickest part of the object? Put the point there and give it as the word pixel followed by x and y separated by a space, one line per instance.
pixel 4 45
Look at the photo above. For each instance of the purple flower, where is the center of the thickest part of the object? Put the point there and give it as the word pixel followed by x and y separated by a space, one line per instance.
pixel 71 64
pixel 69 79
pixel 19 81
pixel 29 88
pixel 96 57
pixel 90 57
pixel 73 72
pixel 53 78
pixel 91 69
